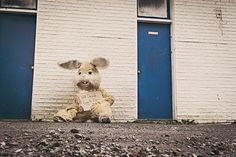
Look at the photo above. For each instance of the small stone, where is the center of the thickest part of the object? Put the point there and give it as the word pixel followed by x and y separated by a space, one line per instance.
pixel 52 132
pixel 148 149
pixel 26 134
pixel 44 143
pixel 122 137
pixel 56 144
pixel 13 144
pixel 138 140
pixel 216 152
pixel 61 131
pixel 74 131
pixel 212 153
pixel 87 138
pixel 194 155
pixel 152 141
pixel 18 150
pixel 47 136
pixel 87 147
pixel 3 143
pixel 78 136
pixel 116 149
pixel 178 149
pixel 165 155
pixel 221 153
pixel 175 153
pixel 136 151
pixel 124 155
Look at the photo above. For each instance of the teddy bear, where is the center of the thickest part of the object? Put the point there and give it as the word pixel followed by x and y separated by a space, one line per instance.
pixel 91 101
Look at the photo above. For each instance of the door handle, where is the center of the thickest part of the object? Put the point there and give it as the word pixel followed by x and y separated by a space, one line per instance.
pixel 139 71
pixel 32 67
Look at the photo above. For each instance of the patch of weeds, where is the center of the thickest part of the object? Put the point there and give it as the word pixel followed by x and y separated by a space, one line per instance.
pixel 188 122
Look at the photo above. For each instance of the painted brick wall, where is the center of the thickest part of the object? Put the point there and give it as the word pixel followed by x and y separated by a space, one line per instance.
pixel 205 57
pixel 83 30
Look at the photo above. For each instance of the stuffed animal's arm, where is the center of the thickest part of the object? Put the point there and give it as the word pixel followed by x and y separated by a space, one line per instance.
pixel 108 97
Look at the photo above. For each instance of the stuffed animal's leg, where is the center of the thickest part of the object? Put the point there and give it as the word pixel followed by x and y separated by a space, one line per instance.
pixel 82 117
pixel 67 114
pixel 102 112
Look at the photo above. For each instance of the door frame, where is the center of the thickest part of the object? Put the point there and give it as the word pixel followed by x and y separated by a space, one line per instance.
pixel 32 13
pixel 170 21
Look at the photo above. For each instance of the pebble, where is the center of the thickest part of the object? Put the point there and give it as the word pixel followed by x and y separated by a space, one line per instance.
pixel 56 144
pixel 87 138
pixel 78 136
pixel 164 155
pixel 194 155
pixel 216 152
pixel 13 144
pixel 61 131
pixel 178 149
pixel 3 143
pixel 26 134
pixel 52 132
pixel 136 151
pixel 44 143
pixel 74 131
pixel 18 150
pixel 212 153
pixel 148 149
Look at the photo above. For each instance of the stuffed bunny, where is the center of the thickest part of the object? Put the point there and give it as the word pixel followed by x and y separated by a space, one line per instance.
pixel 88 81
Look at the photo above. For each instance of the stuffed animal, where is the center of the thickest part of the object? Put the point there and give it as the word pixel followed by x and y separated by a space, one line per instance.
pixel 91 102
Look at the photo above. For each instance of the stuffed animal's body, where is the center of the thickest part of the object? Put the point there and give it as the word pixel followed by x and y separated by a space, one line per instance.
pixel 87 80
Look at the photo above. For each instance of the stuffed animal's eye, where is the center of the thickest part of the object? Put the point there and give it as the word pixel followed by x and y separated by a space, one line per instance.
pixel 89 72
pixel 79 73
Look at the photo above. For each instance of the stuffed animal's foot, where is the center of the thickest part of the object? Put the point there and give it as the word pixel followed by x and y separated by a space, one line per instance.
pixel 58 119
pixel 104 119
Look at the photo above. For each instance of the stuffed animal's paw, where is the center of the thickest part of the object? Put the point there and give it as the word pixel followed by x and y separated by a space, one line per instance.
pixel 104 119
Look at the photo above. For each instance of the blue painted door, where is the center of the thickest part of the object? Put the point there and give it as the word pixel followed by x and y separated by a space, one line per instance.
pixel 17 42
pixel 154 75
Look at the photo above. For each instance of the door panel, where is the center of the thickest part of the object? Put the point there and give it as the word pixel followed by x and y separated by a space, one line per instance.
pixel 17 42
pixel 154 76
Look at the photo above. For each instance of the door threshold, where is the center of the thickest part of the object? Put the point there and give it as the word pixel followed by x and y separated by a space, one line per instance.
pixel 162 121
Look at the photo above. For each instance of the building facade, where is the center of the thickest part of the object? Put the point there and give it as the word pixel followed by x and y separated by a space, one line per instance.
pixel 168 60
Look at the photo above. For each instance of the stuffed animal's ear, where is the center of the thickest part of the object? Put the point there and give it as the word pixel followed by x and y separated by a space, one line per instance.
pixel 100 62
pixel 72 64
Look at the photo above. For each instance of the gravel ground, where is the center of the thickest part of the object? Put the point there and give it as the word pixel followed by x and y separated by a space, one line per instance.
pixel 116 139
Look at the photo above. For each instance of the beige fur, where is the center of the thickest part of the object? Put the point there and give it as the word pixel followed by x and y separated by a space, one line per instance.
pixel 87 79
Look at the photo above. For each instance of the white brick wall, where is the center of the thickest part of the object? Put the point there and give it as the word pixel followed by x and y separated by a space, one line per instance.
pixel 205 57
pixel 82 30
pixel 204 45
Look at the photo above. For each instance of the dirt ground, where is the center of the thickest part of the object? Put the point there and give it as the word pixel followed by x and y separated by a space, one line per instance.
pixel 116 139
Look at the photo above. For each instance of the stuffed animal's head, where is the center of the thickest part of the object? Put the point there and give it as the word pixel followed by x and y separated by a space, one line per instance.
pixel 88 77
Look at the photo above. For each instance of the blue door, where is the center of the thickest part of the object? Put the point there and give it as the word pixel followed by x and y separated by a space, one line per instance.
pixel 154 75
pixel 17 42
